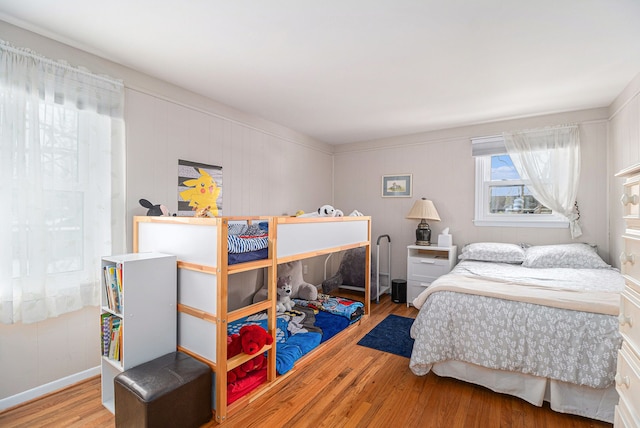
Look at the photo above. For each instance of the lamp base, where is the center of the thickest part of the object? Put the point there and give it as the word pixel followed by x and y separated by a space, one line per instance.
pixel 423 234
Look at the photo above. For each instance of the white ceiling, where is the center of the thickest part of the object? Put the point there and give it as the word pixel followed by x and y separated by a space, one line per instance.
pixel 354 70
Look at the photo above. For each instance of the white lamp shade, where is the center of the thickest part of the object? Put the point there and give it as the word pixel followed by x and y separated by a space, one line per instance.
pixel 424 209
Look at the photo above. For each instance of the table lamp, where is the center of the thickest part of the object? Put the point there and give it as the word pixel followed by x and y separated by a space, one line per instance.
pixel 424 210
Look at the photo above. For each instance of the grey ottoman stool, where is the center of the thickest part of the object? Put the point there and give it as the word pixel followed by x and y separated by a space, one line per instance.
pixel 171 391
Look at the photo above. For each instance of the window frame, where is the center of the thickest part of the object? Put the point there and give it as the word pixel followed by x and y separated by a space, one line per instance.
pixel 75 273
pixel 482 216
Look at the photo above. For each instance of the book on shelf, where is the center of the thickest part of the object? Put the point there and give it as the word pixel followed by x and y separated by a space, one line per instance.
pixel 113 288
pixel 112 343
pixel 119 279
pixel 106 333
pixel 111 336
pixel 107 287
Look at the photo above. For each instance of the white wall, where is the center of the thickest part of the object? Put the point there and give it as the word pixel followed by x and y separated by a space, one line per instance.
pixel 444 171
pixel 624 140
pixel 262 173
pixel 47 355
pixel 267 170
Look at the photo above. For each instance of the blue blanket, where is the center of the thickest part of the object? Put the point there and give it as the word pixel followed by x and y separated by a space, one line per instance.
pixel 330 324
pixel 351 309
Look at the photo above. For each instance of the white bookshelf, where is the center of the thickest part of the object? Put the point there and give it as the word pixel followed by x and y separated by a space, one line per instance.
pixel 147 314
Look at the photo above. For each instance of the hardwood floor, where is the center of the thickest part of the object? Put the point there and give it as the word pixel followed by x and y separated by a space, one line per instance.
pixel 341 385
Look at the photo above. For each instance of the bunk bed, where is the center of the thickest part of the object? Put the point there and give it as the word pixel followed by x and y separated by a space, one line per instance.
pixel 208 256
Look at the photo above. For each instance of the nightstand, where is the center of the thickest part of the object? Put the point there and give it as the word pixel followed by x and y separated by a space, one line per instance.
pixel 425 264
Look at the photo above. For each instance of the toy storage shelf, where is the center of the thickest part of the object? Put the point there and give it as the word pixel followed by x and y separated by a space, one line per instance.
pixel 143 305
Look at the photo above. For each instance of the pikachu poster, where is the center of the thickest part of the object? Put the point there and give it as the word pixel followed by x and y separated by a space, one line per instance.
pixel 199 187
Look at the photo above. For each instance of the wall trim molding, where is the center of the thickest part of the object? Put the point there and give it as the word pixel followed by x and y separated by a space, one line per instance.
pixel 47 388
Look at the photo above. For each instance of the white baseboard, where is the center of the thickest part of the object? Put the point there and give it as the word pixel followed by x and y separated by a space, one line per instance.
pixel 41 390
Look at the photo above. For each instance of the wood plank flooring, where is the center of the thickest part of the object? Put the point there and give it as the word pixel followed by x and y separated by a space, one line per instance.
pixel 341 385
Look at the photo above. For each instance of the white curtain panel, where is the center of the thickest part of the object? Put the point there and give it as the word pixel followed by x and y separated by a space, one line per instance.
pixel 61 181
pixel 548 159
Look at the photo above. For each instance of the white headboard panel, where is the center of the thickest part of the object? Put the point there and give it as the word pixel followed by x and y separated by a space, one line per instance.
pixel 190 243
pixel 302 238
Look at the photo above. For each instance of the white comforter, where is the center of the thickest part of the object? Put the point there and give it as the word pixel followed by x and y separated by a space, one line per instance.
pixel 555 342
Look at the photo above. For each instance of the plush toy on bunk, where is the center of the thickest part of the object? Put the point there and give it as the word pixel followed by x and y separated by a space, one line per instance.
pixel 300 289
pixel 249 375
pixel 327 211
pixel 155 209
pixel 284 290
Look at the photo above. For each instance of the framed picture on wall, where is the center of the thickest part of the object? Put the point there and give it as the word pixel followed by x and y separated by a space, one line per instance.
pixel 397 186
pixel 199 187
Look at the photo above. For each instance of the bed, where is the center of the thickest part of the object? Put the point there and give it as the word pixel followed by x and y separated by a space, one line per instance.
pixel 212 251
pixel 539 323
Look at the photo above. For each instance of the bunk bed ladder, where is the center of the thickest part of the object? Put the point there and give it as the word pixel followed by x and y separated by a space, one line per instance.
pixel 387 287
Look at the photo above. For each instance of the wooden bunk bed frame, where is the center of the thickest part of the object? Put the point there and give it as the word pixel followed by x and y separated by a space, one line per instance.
pixel 200 245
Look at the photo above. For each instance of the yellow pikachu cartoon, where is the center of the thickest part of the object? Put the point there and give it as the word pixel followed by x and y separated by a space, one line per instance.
pixel 203 192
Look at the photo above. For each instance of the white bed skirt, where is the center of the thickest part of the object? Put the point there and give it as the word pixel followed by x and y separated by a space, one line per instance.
pixel 563 397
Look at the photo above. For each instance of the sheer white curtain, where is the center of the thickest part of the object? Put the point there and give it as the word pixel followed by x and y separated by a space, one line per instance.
pixel 61 182
pixel 548 159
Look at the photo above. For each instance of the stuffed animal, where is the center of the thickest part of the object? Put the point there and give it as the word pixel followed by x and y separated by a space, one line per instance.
pixel 234 375
pixel 256 363
pixel 328 211
pixel 154 210
pixel 323 211
pixel 234 347
pixel 250 340
pixel 253 338
pixel 204 212
pixel 284 294
pixel 299 288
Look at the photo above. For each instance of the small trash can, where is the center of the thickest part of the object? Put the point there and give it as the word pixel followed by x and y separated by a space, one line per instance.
pixel 399 291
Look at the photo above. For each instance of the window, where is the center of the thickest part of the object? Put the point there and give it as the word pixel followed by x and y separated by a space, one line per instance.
pixel 503 198
pixel 61 169
pixel 60 159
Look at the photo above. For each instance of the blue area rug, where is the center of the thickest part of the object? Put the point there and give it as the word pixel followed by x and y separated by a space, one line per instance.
pixel 391 335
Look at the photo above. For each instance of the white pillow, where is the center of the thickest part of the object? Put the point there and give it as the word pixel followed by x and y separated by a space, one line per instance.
pixel 574 256
pixel 493 252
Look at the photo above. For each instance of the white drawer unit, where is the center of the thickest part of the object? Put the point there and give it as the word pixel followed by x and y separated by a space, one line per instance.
pixel 623 417
pixel 630 316
pixel 627 413
pixel 427 268
pixel 630 200
pixel 628 382
pixel 425 264
pixel 630 256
